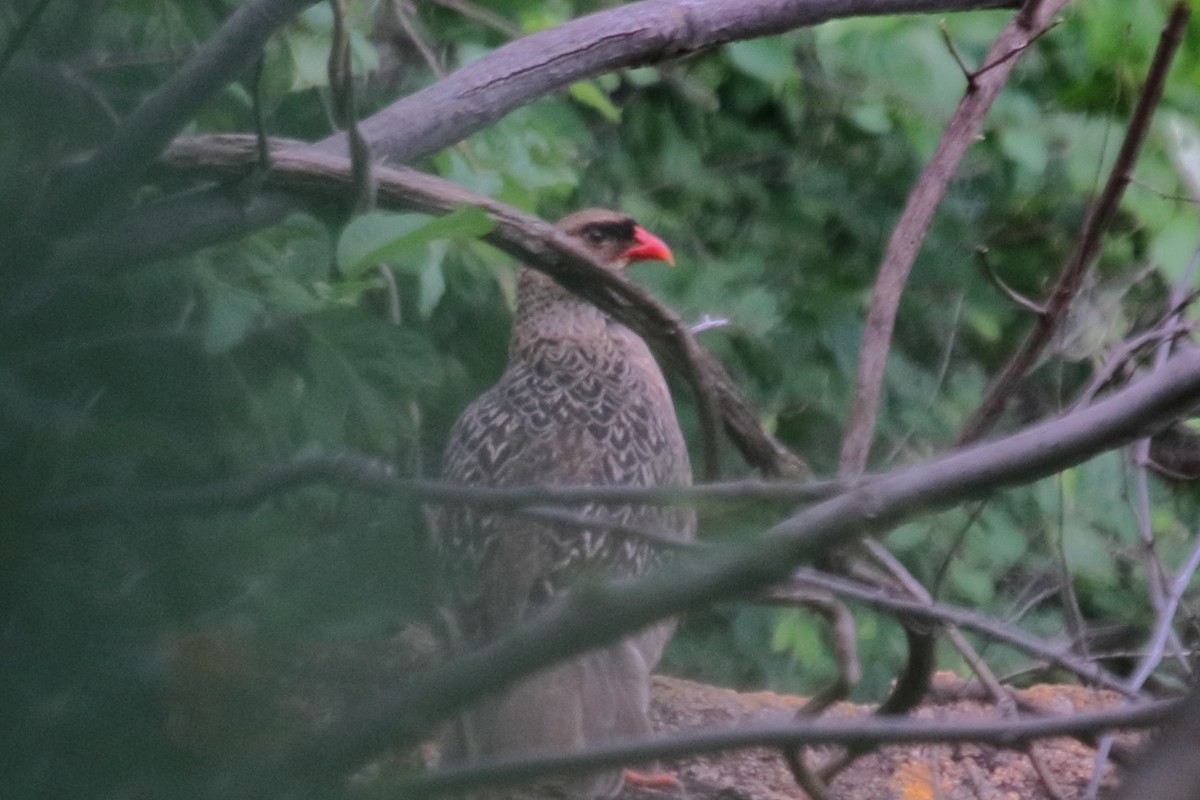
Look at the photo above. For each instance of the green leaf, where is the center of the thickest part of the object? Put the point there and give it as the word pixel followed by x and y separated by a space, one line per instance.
pixel 976 585
pixel 232 312
pixel 1027 148
pixel 769 60
pixel 872 118
pixel 359 369
pixel 431 283
pixel 380 236
pixel 588 93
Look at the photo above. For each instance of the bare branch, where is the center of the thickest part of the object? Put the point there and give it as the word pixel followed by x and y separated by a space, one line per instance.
pixel 603 613
pixel 374 476
pixel 944 614
pixel 1088 245
pixel 630 35
pixel 487 89
pixel 961 130
pixel 869 733
pixel 538 244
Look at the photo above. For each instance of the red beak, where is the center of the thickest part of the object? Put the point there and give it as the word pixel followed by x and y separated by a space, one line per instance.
pixel 648 247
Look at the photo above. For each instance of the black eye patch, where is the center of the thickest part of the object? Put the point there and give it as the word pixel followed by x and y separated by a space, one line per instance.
pixel 617 230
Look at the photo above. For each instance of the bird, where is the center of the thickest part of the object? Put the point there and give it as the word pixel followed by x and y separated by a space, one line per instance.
pixel 581 402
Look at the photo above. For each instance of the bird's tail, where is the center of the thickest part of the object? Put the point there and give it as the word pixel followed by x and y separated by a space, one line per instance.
pixel 600 696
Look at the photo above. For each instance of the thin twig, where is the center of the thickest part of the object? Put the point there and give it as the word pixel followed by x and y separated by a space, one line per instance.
pixel 1018 49
pixel 990 273
pixel 418 41
pixel 481 14
pixel 1162 625
pixel 954 54
pixel 1087 247
pixel 374 476
pixel 907 235
pixel 1165 334
pixel 942 613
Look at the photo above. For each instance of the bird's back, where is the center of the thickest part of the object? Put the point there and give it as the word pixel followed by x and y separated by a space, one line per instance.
pixel 581 403
pixel 589 410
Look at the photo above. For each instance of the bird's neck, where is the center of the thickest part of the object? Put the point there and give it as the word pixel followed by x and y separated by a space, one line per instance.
pixel 548 313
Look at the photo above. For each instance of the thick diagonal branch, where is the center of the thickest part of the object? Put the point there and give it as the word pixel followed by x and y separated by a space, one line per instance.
pixel 602 614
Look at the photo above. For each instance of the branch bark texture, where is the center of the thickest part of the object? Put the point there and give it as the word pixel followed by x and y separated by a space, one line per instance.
pixel 630 35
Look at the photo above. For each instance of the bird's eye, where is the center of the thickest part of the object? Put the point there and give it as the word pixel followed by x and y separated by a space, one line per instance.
pixel 594 235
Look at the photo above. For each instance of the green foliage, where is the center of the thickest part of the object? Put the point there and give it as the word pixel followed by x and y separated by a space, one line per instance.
pixel 776 169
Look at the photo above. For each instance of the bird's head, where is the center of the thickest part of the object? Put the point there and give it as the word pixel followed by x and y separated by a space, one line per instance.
pixel 614 238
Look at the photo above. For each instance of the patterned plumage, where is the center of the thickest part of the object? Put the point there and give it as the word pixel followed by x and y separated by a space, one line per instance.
pixel 581 402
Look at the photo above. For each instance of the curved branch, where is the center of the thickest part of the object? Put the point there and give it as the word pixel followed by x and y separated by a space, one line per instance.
pixel 603 613
pixel 961 130
pixel 1001 388
pixel 533 242
pixel 522 71
pixel 627 36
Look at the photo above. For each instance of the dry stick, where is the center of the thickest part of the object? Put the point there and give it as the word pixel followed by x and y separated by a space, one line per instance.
pixel 374 476
pixel 1164 335
pixel 1069 281
pixel 961 130
pixel 943 614
pixel 1088 245
pixel 418 41
pixel 1180 297
pixel 1158 642
pixel 539 245
pixel 871 732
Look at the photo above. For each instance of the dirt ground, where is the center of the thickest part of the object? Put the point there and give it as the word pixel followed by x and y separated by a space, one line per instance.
pixel 227 696
pixel 925 772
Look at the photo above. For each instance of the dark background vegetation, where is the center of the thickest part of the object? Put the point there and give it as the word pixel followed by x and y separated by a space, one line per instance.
pixel 775 168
